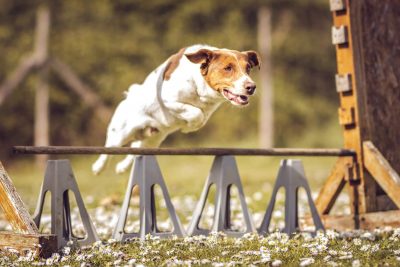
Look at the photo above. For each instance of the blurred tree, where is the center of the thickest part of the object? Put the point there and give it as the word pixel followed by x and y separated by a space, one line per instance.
pixel 266 110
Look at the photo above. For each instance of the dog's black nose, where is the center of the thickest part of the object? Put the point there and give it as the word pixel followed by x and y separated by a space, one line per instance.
pixel 250 87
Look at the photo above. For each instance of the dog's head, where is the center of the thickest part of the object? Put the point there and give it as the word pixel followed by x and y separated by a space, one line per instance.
pixel 227 71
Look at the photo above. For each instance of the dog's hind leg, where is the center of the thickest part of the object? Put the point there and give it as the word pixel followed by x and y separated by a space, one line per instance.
pixel 126 163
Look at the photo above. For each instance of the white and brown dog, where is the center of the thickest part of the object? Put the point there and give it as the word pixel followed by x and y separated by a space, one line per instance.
pixel 181 94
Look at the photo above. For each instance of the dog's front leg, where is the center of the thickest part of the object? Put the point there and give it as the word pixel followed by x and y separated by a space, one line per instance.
pixel 126 163
pixel 193 116
pixel 98 166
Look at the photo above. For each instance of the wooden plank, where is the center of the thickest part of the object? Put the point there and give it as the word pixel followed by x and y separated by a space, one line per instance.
pixel 339 223
pixel 382 171
pixel 367 221
pixel 332 222
pixel 332 187
pixel 378 85
pixel 374 24
pixel 13 207
pixel 333 152
pixel 349 59
pixel 42 245
pixel 370 221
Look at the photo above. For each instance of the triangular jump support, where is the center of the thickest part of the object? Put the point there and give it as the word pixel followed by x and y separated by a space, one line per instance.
pixel 59 180
pixel 224 173
pixel 146 174
pixel 291 177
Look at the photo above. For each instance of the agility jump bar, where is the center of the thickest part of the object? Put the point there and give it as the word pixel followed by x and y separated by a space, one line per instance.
pixel 323 152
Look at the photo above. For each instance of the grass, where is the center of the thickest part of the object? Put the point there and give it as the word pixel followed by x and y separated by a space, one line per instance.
pixel 379 248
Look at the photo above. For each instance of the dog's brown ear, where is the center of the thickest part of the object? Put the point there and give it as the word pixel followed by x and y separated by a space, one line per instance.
pixel 253 58
pixel 203 57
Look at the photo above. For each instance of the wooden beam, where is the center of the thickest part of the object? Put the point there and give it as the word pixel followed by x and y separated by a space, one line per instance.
pixel 332 187
pixel 13 207
pixel 42 245
pixel 333 152
pixel 367 221
pixel 382 172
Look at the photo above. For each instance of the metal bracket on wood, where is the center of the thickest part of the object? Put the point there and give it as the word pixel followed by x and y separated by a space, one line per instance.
pixel 339 35
pixel 337 5
pixel 347 116
pixel 223 174
pixel 343 82
pixel 352 173
pixel 59 180
pixel 291 177
pixel 146 174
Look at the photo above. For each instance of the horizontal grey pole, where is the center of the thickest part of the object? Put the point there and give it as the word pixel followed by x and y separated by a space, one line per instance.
pixel 327 152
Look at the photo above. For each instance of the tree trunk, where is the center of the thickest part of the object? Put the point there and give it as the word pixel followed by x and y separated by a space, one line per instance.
pixel 266 121
pixel 41 137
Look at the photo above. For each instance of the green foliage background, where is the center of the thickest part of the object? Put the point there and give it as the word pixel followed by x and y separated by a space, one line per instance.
pixel 111 44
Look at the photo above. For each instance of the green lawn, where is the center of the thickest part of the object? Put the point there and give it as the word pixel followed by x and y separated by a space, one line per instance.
pixel 378 248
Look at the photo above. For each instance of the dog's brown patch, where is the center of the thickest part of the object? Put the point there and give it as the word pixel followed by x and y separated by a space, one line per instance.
pixel 221 68
pixel 172 64
pixel 227 67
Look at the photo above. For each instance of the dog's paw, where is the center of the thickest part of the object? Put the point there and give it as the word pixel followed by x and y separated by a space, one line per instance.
pixel 97 167
pixel 122 167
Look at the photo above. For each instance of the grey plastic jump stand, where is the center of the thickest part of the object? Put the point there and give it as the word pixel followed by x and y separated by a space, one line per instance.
pixel 223 174
pixel 59 179
pixel 146 174
pixel 291 176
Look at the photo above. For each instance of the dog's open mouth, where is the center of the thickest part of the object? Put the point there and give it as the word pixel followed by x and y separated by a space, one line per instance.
pixel 234 98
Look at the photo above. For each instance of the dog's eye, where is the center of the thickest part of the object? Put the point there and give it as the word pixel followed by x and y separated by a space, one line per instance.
pixel 228 68
pixel 248 68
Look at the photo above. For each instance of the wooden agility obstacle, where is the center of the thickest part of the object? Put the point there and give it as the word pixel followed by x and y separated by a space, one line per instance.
pixel 368 84
pixel 25 235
